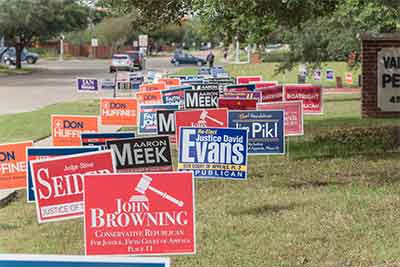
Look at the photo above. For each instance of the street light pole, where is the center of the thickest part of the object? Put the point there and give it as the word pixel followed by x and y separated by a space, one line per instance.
pixel 61 48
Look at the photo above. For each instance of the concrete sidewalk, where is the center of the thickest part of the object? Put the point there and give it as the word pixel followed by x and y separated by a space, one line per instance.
pixel 8 195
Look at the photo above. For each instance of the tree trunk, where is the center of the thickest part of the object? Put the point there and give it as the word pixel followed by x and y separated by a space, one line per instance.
pixel 18 52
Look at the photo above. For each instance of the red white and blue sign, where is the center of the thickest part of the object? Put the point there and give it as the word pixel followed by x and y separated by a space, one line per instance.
pixel 100 139
pixel 58 183
pixel 39 153
pixel 213 152
pixel 148 117
pixel 175 95
pixel 266 130
pixel 79 261
pixel 87 85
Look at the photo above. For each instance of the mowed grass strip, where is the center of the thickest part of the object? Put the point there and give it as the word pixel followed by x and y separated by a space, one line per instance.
pixel 268 72
pixel 313 207
pixel 36 125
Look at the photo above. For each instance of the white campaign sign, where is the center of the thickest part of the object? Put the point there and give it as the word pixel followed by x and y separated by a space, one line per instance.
pixel 389 79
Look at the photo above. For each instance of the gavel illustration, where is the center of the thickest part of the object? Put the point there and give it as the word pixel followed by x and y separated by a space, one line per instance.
pixel 204 116
pixel 144 184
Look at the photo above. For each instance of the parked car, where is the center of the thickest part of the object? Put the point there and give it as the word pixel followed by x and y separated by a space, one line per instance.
pixel 185 58
pixel 121 62
pixel 9 57
pixel 138 59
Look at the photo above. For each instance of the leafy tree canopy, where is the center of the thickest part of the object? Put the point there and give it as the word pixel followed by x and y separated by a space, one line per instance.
pixel 22 21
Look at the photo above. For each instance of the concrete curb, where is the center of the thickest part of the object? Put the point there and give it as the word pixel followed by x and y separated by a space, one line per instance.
pixel 6 196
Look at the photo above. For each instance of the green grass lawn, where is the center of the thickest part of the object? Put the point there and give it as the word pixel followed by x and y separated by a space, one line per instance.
pixel 36 125
pixel 267 70
pixel 315 207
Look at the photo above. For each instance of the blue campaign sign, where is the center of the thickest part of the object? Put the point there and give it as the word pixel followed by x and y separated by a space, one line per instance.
pixel 213 152
pixel 80 261
pixel 87 85
pixel 38 153
pixel 100 139
pixel 266 130
pixel 148 117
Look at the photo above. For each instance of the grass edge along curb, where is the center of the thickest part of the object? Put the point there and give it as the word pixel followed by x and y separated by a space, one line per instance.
pixel 35 125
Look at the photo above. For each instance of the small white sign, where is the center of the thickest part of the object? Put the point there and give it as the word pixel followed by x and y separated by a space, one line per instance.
pixel 95 42
pixel 389 79
pixel 143 40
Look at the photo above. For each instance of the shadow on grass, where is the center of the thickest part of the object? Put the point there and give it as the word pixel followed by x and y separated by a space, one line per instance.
pixel 313 184
pixel 267 209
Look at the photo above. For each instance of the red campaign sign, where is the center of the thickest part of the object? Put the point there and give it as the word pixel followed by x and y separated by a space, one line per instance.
pixel 293 111
pixel 236 88
pixel 237 104
pixel 263 84
pixel 311 95
pixel 142 214
pixel 248 79
pixel 271 93
pixel 58 183
pixel 205 118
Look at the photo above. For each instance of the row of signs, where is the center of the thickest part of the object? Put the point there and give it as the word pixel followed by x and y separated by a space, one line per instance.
pixel 267 128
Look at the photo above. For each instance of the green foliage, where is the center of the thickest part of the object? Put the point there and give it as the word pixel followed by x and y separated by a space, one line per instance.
pixel 22 21
pixel 334 36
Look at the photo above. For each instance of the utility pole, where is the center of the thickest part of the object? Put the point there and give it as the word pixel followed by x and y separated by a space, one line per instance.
pixel 237 52
pixel 61 47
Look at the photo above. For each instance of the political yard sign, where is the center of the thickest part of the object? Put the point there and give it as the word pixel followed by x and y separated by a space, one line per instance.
pixel 100 139
pixel 66 129
pixel 200 99
pixel 294 125
pixel 40 153
pixel 266 130
pixel 213 152
pixel 58 183
pixel 142 154
pixel 175 95
pixel 389 79
pixel 13 168
pixel 206 86
pixel 240 88
pixel 14 260
pixel 248 79
pixel 148 117
pixel 166 124
pixel 153 97
pixel 263 84
pixel 237 104
pixel 311 95
pixel 205 118
pixel 244 95
pixel 142 214
pixel 87 85
pixel 271 93
pixel 118 111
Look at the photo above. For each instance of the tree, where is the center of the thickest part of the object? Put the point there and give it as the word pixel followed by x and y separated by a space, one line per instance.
pixel 335 36
pixel 152 14
pixel 22 21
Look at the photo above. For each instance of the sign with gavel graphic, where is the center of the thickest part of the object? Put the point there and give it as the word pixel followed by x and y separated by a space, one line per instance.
pixel 141 214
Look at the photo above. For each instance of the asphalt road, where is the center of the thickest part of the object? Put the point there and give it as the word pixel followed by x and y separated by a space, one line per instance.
pixel 54 81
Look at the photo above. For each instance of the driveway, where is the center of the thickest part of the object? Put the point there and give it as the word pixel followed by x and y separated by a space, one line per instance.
pixel 54 81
